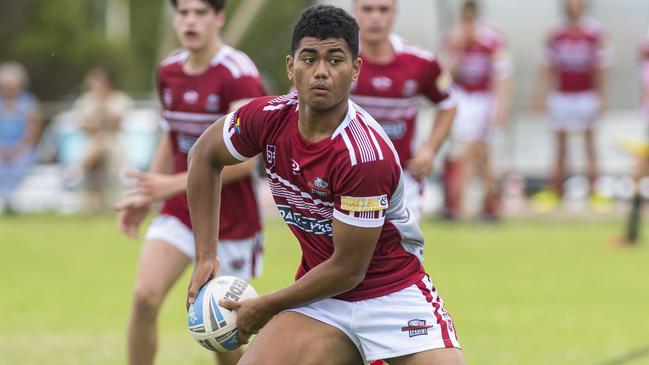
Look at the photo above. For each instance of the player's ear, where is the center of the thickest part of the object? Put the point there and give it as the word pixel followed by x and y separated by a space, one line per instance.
pixel 289 66
pixel 356 68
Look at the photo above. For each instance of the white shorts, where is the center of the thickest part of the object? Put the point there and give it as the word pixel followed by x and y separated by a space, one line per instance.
pixel 573 112
pixel 241 258
pixel 474 116
pixel 408 321
pixel 414 192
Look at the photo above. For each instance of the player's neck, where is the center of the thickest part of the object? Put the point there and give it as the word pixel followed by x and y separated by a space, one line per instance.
pixel 380 52
pixel 575 21
pixel 199 60
pixel 315 125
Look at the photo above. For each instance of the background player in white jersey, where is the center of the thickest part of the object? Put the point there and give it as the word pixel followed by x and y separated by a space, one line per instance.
pixel 395 73
pixel 574 67
pixel 336 179
pixel 196 87
pixel 481 68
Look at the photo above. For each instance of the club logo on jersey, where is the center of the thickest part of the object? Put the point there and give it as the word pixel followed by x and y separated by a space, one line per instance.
pixel 364 204
pixel 416 327
pixel 167 97
pixel 381 83
pixel 295 167
pixel 307 224
pixel 319 187
pixel 410 87
pixel 190 97
pixel 270 155
pixel 212 103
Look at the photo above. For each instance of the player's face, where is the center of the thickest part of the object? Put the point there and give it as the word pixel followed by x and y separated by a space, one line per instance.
pixel 468 16
pixel 375 19
pixel 574 8
pixel 196 23
pixel 322 71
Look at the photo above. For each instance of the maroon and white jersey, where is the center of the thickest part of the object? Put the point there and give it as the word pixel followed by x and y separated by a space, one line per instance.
pixel 476 63
pixel 190 104
pixel 389 92
pixel 353 177
pixel 575 54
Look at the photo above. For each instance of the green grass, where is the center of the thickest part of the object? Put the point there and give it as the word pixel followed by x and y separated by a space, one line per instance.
pixel 524 292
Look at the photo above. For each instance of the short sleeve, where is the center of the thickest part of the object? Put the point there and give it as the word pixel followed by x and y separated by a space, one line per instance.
pixel 362 192
pixel 243 130
pixel 437 86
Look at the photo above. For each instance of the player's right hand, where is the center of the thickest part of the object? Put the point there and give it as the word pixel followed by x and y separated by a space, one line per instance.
pixel 204 270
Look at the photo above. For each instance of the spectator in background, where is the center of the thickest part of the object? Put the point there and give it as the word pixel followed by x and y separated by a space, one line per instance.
pixel 101 110
pixel 575 62
pixel 20 126
pixel 481 68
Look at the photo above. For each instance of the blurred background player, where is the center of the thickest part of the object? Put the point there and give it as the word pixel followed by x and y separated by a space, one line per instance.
pixel 481 68
pixel 101 110
pixel 632 230
pixel 20 127
pixel 575 62
pixel 394 74
pixel 196 87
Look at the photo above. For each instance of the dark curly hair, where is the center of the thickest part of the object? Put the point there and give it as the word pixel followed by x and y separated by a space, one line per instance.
pixel 326 21
pixel 217 5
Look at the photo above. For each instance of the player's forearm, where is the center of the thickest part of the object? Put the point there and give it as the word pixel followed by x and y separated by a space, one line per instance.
pixel 542 84
pixel 441 128
pixel 204 198
pixel 163 159
pixel 600 83
pixel 503 94
pixel 324 281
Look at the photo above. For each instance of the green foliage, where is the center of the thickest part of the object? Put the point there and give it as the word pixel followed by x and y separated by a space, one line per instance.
pixel 57 43
pixel 268 40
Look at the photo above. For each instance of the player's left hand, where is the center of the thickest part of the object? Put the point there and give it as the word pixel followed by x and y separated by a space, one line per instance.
pixel 421 164
pixel 252 315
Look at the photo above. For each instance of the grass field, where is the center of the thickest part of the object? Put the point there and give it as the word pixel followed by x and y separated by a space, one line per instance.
pixel 523 292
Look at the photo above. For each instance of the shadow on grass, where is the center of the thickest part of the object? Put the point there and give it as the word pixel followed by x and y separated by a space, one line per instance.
pixel 628 357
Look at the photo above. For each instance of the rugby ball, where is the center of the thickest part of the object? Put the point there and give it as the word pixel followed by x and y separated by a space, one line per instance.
pixel 213 326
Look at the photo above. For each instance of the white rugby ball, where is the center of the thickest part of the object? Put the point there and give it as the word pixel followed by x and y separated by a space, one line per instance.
pixel 213 326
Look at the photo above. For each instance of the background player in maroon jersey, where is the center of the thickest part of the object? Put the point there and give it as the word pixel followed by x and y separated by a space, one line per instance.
pixel 196 87
pixel 394 74
pixel 336 179
pixel 481 68
pixel 574 64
